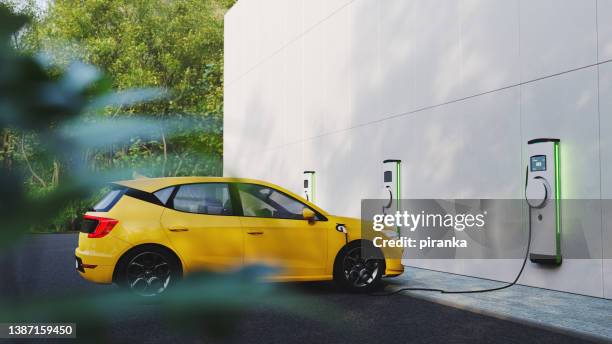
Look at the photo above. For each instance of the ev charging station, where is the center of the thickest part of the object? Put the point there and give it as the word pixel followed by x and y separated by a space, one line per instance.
pixel 543 194
pixel 310 185
pixel 391 183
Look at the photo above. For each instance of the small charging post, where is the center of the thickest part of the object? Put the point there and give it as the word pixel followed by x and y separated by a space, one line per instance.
pixel 391 184
pixel 310 185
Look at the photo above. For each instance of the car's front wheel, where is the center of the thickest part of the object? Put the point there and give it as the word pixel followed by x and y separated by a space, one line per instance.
pixel 357 269
pixel 148 270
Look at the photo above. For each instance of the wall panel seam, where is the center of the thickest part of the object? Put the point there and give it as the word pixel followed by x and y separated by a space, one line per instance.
pixel 456 100
pixel 601 208
pixel 291 41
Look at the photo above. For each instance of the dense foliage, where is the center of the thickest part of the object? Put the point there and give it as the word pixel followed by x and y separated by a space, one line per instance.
pixel 57 118
pixel 173 45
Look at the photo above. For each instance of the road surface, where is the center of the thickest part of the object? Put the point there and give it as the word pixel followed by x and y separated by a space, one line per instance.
pixel 43 266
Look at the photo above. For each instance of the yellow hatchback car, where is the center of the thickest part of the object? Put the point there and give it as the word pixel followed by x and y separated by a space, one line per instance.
pixel 146 234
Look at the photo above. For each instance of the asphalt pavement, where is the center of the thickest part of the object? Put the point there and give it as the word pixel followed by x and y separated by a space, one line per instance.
pixel 42 266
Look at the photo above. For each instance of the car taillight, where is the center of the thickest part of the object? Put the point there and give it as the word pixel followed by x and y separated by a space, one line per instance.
pixel 97 227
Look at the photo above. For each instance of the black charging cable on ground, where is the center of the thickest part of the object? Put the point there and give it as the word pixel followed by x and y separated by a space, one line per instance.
pixel 470 291
pixel 477 290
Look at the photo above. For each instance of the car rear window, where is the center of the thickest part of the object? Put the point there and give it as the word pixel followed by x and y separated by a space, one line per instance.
pixel 164 194
pixel 109 199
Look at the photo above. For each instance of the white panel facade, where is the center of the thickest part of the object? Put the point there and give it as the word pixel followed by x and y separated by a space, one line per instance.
pixel 314 82
pixel 293 20
pixel 312 13
pixel 396 27
pixel 453 88
pixel 556 36
pixel 336 68
pixel 604 29
pixel 332 6
pixel 490 51
pixel 293 92
pixel 251 34
pixel 366 82
pixel 605 99
pixel 437 52
pixel 272 26
pixel 491 163
pixel 566 107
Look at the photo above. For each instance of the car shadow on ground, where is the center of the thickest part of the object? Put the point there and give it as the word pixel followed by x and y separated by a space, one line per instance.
pixel 323 288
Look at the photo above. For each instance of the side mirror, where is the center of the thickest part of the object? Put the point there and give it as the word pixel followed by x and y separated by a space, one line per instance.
pixel 308 215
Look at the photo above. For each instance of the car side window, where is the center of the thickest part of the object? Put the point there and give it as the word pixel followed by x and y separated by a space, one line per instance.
pixel 205 198
pixel 262 201
pixel 164 194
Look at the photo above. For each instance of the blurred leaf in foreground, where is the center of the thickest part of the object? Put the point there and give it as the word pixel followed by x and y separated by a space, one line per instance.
pixel 204 303
pixel 59 109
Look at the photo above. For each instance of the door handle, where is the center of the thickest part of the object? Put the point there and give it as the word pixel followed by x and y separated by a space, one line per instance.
pixel 255 233
pixel 178 229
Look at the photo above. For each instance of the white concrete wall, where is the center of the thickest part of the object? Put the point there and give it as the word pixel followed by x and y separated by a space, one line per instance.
pixel 453 88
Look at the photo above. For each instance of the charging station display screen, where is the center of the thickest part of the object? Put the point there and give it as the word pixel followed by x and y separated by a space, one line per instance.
pixel 305 183
pixel 387 177
pixel 538 163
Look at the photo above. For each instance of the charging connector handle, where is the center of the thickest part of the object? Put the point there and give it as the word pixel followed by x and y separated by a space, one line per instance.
pixel 388 206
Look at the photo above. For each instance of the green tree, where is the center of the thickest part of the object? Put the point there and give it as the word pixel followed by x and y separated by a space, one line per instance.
pixel 172 45
pixel 44 108
pixel 176 45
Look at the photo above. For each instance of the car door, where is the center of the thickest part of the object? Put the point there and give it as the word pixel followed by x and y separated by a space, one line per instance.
pixel 275 232
pixel 203 228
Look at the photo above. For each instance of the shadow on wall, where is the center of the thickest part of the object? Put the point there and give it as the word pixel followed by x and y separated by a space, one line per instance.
pixel 465 149
pixel 442 148
pixel 470 148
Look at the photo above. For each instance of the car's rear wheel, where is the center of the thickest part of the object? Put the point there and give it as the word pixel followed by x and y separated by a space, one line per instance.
pixel 356 269
pixel 148 271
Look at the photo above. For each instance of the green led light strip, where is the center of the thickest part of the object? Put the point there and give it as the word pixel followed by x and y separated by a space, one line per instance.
pixel 397 191
pixel 558 201
pixel 314 186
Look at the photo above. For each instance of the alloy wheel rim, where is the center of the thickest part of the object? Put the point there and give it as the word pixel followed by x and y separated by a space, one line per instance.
pixel 148 274
pixel 358 271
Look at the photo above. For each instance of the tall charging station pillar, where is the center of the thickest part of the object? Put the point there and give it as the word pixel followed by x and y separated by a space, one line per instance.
pixel 310 185
pixel 543 194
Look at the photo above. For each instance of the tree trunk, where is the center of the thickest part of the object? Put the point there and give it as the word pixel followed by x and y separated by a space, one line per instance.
pixel 27 161
pixel 165 145
pixel 7 158
pixel 56 173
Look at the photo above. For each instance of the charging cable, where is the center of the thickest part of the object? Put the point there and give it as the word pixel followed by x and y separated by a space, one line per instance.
pixel 340 227
pixel 477 290
pixel 471 291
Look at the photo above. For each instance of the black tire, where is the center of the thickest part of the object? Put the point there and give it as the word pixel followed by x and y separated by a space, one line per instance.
pixel 359 267
pixel 148 270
